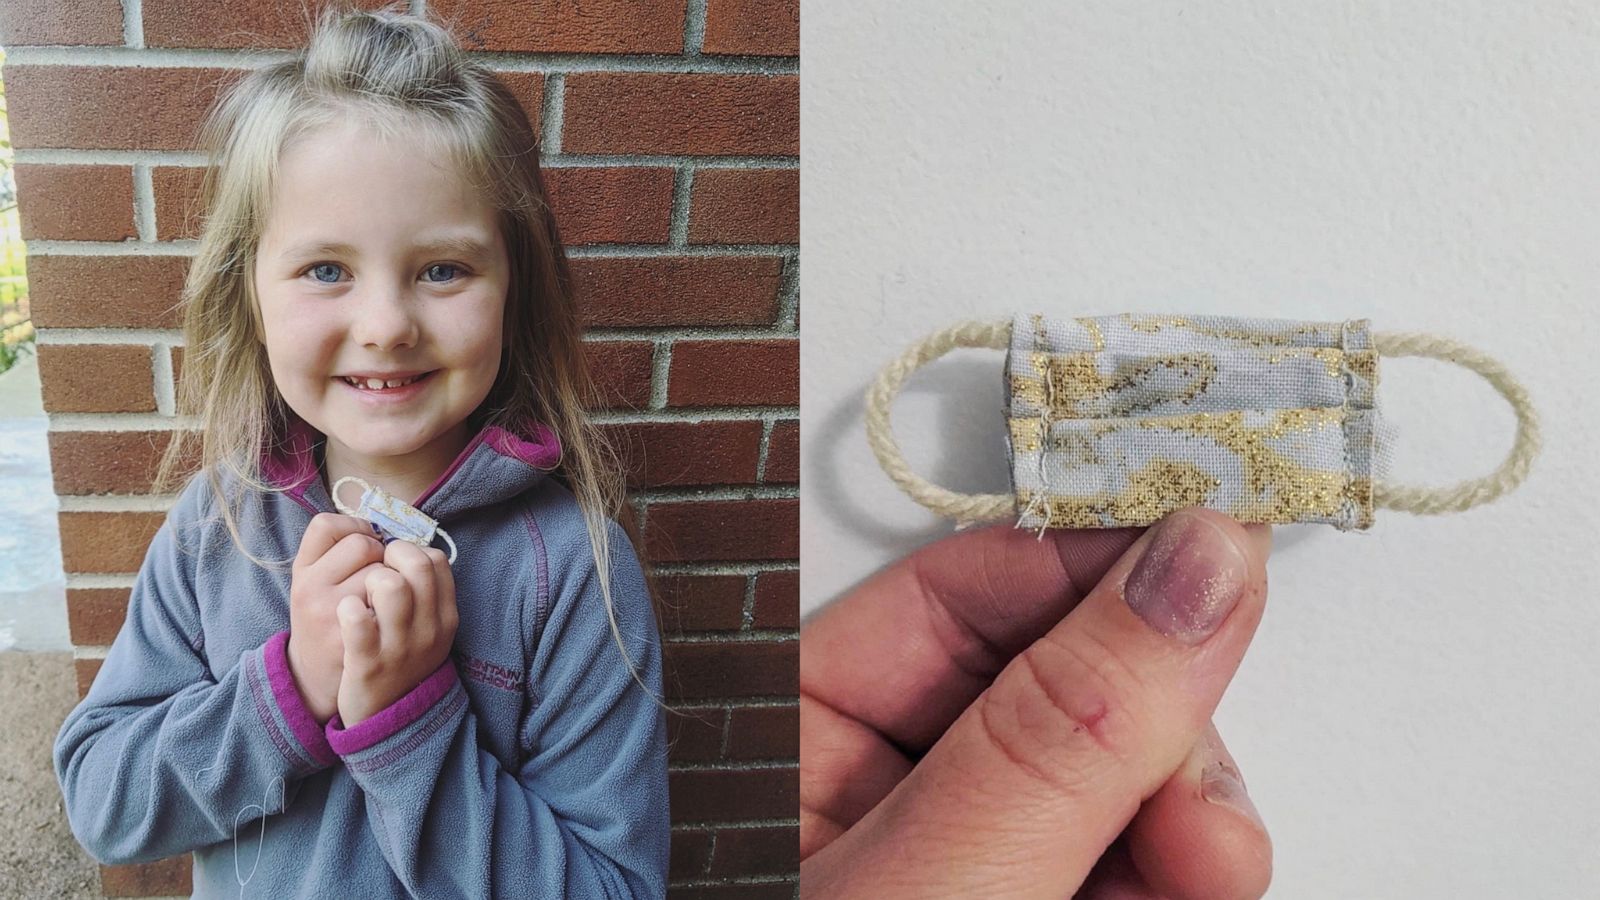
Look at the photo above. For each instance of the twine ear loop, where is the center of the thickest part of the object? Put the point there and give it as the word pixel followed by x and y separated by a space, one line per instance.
pixel 996 335
pixel 432 527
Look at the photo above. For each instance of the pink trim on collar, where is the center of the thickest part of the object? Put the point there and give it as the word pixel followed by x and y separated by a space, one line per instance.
pixel 292 464
pixel 543 451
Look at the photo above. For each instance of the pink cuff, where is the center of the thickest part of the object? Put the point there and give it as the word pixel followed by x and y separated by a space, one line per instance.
pixel 395 718
pixel 275 654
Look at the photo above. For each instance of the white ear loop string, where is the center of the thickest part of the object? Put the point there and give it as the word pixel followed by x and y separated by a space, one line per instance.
pixel 265 812
pixel 395 517
pixel 996 335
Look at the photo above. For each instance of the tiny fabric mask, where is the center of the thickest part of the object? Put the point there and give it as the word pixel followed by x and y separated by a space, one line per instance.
pixel 1116 421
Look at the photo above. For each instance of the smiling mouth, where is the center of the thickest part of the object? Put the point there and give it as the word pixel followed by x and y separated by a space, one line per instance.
pixel 380 386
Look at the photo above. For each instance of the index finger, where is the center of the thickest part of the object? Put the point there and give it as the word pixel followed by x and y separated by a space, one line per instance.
pixel 324 531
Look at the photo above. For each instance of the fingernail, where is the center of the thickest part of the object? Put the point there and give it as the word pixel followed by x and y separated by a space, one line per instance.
pixel 1189 578
pixel 1220 784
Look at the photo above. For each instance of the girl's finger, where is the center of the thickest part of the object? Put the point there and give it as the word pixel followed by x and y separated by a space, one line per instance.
pixel 1199 837
pixel 351 553
pixel 357 583
pixel 390 598
pixel 444 582
pixel 326 530
pixel 414 566
pixel 358 628
pixel 1051 763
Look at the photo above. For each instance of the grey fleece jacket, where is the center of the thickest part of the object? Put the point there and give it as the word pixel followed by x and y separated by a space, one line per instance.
pixel 529 764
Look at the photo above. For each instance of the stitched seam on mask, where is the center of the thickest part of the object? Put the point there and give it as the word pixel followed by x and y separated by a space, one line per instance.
pixel 1350 519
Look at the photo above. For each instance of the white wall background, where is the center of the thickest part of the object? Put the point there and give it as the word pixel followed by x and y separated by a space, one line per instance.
pixel 1419 716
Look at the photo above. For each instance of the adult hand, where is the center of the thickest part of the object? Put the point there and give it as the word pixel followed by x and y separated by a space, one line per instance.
pixel 336 555
pixel 1003 715
pixel 398 634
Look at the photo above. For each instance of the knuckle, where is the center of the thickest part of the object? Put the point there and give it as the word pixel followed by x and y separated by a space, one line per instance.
pixel 1061 712
pixel 381 577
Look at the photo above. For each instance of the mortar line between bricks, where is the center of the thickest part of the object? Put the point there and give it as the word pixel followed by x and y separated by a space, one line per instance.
pixel 120 422
pixel 133 24
pixel 699 162
pixel 725 568
pixel 708 701
pixel 682 186
pixel 92 580
pixel 747 612
pixel 605 335
pixel 734 766
pixel 660 372
pixel 552 113
pixel 596 251
pixel 546 63
pixel 727 727
pixel 750 822
pixel 760 636
pixel 784 703
pixel 789 294
pixel 691 414
pixel 116 502
pixel 194 158
pixel 694 28
pixel 733 880
pixel 166 388
pixel 714 492
pixel 149 336
pixel 766 445
pixel 144 203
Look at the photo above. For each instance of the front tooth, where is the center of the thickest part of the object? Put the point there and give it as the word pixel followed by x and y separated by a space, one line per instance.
pixel 394 384
pixel 375 384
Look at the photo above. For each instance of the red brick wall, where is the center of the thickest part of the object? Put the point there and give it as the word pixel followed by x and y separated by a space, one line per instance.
pixel 671 135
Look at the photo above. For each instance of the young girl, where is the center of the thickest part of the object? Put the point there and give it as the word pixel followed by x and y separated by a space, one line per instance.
pixel 380 293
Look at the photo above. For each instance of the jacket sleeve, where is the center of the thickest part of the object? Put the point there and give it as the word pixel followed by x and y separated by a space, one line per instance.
pixel 585 814
pixel 160 758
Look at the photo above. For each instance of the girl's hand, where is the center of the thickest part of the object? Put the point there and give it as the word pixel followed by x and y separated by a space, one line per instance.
pixel 398 635
pixel 336 555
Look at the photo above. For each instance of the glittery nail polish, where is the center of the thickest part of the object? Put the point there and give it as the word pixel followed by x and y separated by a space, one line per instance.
pixel 1187 580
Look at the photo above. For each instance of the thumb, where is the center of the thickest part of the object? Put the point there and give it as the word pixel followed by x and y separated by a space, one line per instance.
pixel 1031 784
pixel 358 628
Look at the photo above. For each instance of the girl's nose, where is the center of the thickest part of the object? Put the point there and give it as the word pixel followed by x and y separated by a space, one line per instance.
pixel 385 319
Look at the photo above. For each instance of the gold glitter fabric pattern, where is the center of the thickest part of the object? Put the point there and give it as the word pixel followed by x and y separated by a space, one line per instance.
pixel 1118 420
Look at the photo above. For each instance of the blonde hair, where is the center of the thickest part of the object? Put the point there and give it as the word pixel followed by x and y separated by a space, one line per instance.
pixel 392 70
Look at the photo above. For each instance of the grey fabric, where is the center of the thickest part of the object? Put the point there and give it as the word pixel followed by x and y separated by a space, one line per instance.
pixel 530 765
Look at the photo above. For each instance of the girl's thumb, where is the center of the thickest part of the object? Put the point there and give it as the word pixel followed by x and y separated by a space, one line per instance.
pixel 1024 792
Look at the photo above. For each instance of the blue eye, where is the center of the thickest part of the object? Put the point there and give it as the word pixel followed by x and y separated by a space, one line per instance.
pixel 320 269
pixel 448 267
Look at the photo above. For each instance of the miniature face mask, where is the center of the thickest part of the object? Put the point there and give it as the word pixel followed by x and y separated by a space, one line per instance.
pixel 392 518
pixel 1119 420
